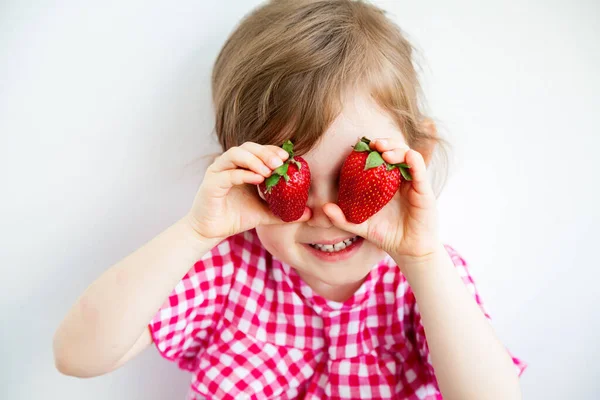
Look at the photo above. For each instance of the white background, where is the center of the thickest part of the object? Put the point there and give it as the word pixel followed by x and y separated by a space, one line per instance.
pixel 105 108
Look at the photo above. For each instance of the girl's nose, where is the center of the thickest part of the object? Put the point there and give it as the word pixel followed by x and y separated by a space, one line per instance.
pixel 321 194
pixel 318 218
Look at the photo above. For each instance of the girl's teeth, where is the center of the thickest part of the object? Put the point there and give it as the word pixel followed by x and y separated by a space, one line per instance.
pixel 339 246
pixel 330 248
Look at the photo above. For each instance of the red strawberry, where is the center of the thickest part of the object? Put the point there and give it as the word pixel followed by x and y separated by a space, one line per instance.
pixel 287 197
pixel 367 182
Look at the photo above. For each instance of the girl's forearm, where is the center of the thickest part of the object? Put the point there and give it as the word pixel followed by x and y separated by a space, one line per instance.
pixel 113 313
pixel 469 361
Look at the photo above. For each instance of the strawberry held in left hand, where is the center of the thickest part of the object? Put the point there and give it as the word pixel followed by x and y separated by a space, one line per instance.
pixel 367 182
pixel 406 225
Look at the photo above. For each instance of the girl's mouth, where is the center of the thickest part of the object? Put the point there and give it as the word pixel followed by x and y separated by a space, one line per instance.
pixel 337 251
pixel 336 247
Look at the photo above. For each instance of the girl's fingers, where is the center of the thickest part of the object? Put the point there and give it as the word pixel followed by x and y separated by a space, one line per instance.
pixel 385 144
pixel 418 171
pixel 239 157
pixel 224 181
pixel 242 176
pixel 278 151
pixel 395 156
pixel 337 217
pixel 272 156
pixel 395 151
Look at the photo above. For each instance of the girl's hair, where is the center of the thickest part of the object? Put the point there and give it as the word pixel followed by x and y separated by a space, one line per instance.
pixel 283 73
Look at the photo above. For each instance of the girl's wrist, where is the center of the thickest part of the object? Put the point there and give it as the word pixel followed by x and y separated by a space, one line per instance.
pixel 196 235
pixel 414 265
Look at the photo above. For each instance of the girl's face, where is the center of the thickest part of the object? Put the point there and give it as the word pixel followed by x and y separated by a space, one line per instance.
pixel 335 276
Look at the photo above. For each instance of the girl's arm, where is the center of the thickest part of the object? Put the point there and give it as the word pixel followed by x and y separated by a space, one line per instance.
pixel 108 324
pixel 469 361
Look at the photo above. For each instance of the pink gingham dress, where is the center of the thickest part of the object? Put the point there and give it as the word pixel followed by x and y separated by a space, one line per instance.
pixel 247 327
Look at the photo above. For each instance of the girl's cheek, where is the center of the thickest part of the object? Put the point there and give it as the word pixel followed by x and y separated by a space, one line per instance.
pixel 275 238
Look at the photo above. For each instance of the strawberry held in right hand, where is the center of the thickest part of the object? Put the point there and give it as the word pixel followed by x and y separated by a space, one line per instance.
pixel 286 190
pixel 227 202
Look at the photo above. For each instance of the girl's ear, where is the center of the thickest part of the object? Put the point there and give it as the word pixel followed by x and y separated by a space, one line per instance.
pixel 427 146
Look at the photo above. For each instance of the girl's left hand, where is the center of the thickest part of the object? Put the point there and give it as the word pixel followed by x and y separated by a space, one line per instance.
pixel 407 225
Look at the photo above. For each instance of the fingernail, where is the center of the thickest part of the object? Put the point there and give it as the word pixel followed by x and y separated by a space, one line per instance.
pixel 275 162
pixel 265 170
pixel 283 154
pixel 382 141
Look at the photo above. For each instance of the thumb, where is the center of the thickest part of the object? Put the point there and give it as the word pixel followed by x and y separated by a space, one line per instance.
pixel 337 217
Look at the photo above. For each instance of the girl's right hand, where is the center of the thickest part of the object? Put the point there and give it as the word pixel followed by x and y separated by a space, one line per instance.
pixel 227 202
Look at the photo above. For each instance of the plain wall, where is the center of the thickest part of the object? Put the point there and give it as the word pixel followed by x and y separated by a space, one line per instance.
pixel 105 108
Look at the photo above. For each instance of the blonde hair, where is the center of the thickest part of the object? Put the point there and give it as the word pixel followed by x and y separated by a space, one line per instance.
pixel 282 74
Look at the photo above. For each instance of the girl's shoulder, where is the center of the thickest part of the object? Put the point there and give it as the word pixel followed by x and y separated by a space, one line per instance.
pixel 231 252
pixel 241 247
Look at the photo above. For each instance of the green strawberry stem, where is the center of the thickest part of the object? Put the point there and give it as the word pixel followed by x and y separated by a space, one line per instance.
pixel 282 170
pixel 362 146
pixel 374 159
pixel 289 147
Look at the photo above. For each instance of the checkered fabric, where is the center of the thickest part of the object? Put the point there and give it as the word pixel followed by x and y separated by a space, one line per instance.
pixel 248 327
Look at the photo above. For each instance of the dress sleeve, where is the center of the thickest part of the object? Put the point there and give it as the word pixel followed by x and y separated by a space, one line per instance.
pixel 186 320
pixel 421 341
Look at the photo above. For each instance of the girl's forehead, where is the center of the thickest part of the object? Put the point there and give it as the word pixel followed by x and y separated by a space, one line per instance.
pixel 358 118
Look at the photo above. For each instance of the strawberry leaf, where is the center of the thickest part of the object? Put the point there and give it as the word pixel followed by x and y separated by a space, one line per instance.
pixel 361 146
pixel 272 181
pixel 404 171
pixel 298 165
pixel 374 160
pixel 289 147
pixel 282 170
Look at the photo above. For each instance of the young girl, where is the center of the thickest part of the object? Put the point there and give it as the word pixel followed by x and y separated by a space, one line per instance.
pixel 389 312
